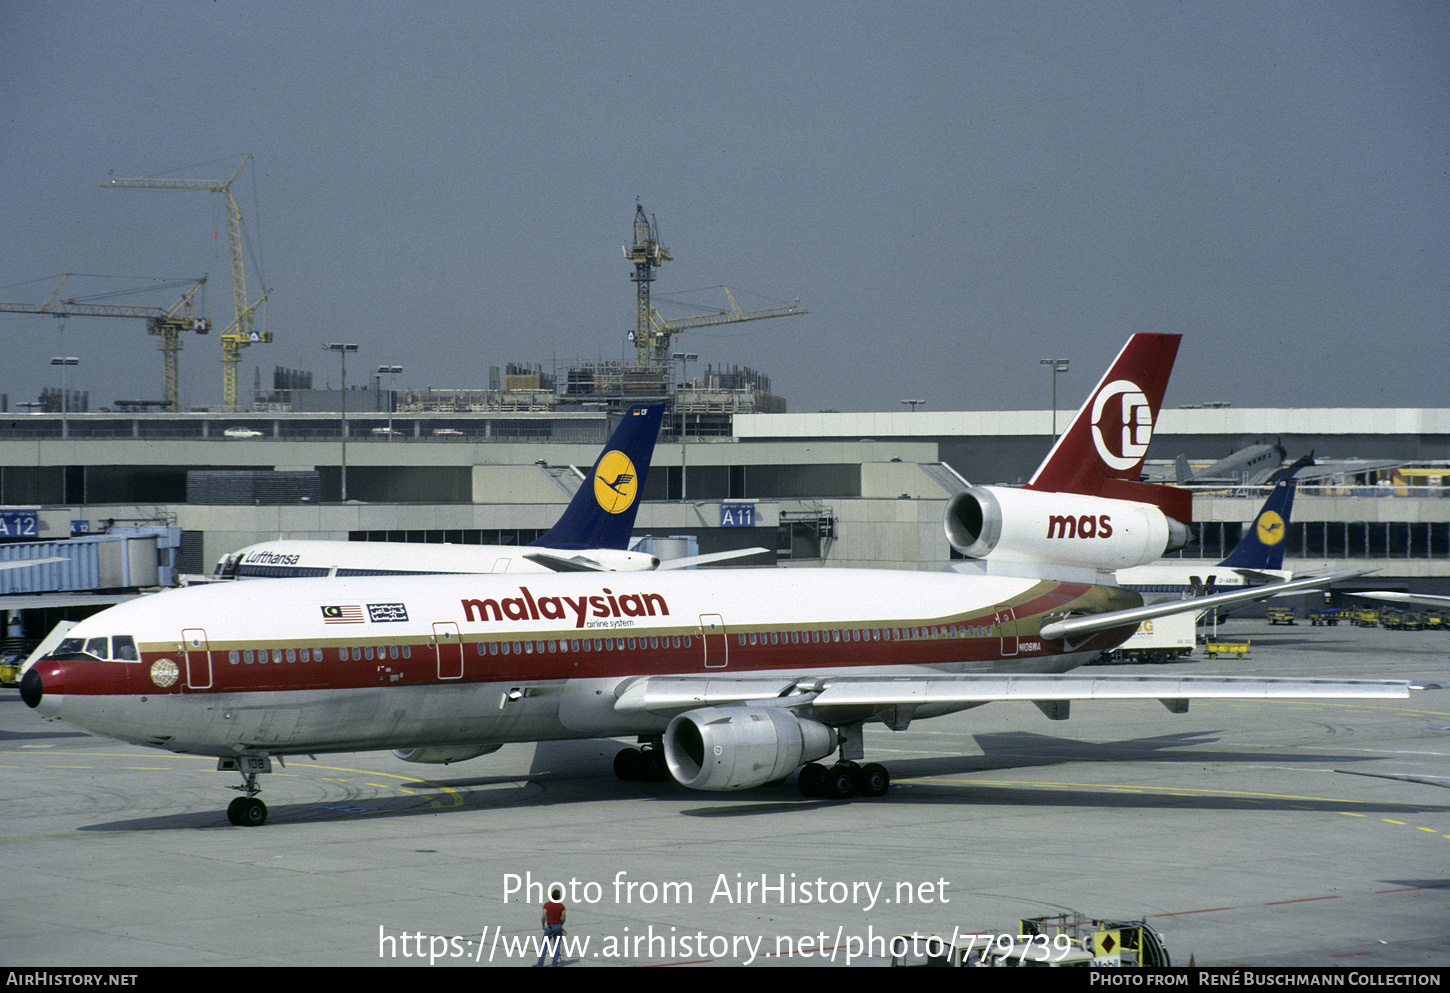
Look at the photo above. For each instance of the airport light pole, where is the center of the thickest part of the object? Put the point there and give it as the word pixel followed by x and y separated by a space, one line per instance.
pixel 65 362
pixel 684 357
pixel 342 349
pixel 1058 365
pixel 914 404
pixel 390 371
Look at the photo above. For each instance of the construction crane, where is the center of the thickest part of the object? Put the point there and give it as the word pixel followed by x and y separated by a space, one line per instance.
pixel 168 324
pixel 652 332
pixel 647 255
pixel 734 315
pixel 239 334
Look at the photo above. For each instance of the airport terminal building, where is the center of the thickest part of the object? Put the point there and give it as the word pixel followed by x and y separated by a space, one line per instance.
pixel 819 490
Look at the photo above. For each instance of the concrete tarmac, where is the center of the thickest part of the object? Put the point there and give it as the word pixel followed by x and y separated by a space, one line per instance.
pixel 1247 833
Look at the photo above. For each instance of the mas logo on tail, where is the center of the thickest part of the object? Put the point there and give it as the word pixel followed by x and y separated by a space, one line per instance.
pixel 616 482
pixel 1128 422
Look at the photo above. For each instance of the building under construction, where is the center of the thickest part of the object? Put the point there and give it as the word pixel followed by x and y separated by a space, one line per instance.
pixel 702 404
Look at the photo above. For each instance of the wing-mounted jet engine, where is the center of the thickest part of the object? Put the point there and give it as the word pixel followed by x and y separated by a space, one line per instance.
pixel 737 748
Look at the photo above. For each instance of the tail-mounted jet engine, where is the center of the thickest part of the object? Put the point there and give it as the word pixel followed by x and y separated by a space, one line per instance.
pixel 1059 528
pixel 737 748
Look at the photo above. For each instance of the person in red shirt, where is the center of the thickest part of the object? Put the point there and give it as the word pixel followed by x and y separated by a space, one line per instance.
pixel 552 919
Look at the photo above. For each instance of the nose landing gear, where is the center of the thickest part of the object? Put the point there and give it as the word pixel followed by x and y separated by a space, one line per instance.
pixel 247 811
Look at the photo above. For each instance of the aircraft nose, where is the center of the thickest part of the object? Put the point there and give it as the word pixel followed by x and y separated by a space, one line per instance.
pixel 32 689
pixel 42 698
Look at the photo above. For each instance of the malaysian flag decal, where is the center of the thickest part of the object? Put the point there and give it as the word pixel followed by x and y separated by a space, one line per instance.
pixel 352 614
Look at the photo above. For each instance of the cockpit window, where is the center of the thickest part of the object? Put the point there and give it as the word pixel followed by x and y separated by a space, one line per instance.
pixel 122 648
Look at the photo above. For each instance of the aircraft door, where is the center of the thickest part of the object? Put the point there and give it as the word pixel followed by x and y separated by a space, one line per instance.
pixel 198 659
pixel 716 645
pixel 449 645
pixel 1007 625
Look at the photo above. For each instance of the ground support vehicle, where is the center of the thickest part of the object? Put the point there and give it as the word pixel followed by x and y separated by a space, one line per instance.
pixel 1162 639
pixel 1217 648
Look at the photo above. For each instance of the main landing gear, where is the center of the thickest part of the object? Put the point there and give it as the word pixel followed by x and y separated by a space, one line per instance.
pixel 645 763
pixel 843 780
pixel 247 811
pixel 846 778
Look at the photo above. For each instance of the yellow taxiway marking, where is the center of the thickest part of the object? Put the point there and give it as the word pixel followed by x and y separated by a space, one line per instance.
pixel 1177 791
pixel 456 796
pixel 1247 796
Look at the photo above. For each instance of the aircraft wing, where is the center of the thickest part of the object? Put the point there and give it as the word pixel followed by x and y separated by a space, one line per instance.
pixel 1418 599
pixel 583 563
pixel 558 563
pixel 1261 576
pixel 708 558
pixel 1074 627
pixel 1328 469
pixel 869 695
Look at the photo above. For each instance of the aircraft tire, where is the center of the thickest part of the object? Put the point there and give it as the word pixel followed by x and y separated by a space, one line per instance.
pixel 812 780
pixel 627 764
pixel 652 766
pixel 840 781
pixel 254 814
pixel 872 780
pixel 247 812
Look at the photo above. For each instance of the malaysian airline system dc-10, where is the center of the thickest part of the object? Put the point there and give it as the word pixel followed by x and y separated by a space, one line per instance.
pixel 729 680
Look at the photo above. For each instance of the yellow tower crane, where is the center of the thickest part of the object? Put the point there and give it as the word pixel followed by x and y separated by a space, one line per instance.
pixel 168 324
pixel 663 329
pixel 652 332
pixel 240 333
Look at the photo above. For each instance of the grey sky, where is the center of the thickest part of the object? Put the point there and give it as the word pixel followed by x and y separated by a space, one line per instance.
pixel 954 190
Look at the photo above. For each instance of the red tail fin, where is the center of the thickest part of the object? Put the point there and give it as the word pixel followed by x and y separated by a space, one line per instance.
pixel 1102 451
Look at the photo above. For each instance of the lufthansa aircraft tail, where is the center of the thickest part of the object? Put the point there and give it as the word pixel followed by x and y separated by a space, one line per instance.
pixel 1101 453
pixel 1262 546
pixel 602 513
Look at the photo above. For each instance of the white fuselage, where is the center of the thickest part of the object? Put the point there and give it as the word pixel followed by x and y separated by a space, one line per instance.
pixel 290 558
pixel 300 666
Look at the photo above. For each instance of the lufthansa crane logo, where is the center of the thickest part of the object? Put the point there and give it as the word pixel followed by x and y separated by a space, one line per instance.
pixel 616 483
pixel 1270 528
pixel 1122 419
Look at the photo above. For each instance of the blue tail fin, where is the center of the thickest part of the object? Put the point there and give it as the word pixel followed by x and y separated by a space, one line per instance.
pixel 602 513
pixel 1262 546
